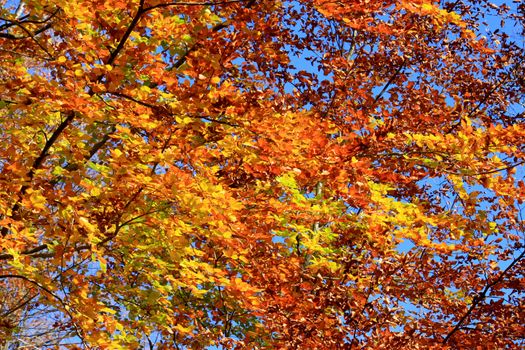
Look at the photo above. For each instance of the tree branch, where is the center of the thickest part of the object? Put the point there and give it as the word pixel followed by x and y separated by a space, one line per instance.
pixel 193 3
pixel 128 32
pixel 49 292
pixel 37 163
pixel 480 297
pixel 182 59
pixel 390 81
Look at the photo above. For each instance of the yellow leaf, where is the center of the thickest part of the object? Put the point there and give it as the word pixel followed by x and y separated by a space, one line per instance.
pixel 182 329
pixel 184 120
pixel 108 310
pixel 37 200
pixel 95 191
pixel 90 228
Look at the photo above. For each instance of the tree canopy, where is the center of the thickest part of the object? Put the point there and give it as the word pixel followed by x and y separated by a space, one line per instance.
pixel 258 174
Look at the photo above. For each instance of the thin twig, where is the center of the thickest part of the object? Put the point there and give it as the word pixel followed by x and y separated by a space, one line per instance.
pixel 480 297
pixel 193 3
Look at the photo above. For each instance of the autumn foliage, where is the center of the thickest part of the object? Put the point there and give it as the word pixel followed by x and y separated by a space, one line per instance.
pixel 262 174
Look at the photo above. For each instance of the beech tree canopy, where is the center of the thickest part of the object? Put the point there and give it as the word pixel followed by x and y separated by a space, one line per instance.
pixel 262 174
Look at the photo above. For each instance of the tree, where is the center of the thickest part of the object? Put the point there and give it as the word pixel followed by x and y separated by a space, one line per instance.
pixel 262 174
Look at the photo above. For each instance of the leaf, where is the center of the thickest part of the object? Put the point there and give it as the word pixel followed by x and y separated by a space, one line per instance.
pixel 37 200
